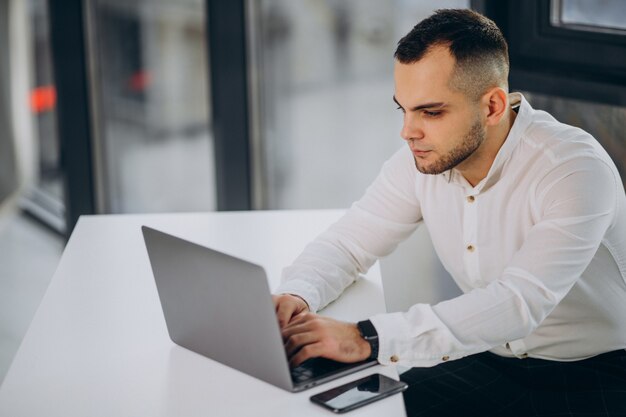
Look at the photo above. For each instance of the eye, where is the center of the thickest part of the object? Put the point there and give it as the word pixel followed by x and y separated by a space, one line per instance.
pixel 400 108
pixel 432 113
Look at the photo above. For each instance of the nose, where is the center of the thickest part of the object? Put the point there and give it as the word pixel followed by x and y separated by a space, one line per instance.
pixel 411 129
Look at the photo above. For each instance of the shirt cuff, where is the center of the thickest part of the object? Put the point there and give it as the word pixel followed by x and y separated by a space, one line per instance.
pixel 416 338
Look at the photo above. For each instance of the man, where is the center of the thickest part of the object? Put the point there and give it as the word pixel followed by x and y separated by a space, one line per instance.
pixel 527 214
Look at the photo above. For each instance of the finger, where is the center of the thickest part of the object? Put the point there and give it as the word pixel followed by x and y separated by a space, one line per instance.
pixel 288 307
pixel 302 304
pixel 297 341
pixel 292 329
pixel 299 324
pixel 284 311
pixel 307 352
pixel 299 318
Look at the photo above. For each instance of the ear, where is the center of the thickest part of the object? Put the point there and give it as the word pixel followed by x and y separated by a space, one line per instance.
pixel 495 105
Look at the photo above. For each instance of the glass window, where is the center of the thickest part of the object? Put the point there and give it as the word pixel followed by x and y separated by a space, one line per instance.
pixel 45 197
pixel 596 16
pixel 325 119
pixel 8 169
pixel 154 149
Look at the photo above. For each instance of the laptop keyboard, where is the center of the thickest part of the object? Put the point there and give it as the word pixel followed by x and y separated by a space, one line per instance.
pixel 315 368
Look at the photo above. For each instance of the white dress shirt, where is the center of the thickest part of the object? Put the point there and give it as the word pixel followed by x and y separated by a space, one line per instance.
pixel 538 248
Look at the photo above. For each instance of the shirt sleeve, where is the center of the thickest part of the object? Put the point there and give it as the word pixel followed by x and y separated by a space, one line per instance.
pixel 575 206
pixel 387 214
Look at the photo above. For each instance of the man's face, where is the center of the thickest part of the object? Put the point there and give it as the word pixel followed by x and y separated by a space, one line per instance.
pixel 441 126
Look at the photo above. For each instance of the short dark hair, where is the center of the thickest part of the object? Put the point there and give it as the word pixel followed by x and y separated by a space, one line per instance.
pixel 476 43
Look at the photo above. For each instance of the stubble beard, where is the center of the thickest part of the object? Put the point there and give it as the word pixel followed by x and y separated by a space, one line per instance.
pixel 471 141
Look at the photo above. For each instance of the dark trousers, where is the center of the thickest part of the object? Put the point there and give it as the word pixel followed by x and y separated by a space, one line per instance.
pixel 486 385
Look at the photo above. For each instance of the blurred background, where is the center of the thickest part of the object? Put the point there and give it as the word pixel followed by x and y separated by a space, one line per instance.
pixel 137 106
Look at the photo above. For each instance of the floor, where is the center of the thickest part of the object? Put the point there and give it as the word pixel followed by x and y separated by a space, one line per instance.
pixel 29 254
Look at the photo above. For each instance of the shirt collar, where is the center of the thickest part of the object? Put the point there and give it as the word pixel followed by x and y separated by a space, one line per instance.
pixel 524 114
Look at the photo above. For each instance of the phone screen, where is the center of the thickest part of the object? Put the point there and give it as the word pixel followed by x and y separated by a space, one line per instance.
pixel 358 393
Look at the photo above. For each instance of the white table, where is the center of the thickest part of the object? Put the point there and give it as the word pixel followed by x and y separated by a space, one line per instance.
pixel 98 345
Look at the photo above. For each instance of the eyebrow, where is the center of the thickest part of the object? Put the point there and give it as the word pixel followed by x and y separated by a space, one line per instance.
pixel 422 106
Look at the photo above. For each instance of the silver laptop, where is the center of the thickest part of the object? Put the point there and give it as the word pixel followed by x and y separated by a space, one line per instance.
pixel 221 307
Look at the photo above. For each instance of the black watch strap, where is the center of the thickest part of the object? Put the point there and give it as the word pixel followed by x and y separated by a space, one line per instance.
pixel 369 333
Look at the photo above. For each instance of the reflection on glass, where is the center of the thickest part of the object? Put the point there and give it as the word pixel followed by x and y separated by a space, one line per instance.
pixel 597 16
pixel 45 199
pixel 154 147
pixel 326 118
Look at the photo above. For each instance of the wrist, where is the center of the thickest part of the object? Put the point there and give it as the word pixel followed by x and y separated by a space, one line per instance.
pixel 370 336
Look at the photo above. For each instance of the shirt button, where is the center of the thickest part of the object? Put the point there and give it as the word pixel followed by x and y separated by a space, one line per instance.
pixel 445 358
pixel 470 199
pixel 394 359
pixel 470 248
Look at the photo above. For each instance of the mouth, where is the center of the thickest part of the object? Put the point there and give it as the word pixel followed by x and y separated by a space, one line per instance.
pixel 420 153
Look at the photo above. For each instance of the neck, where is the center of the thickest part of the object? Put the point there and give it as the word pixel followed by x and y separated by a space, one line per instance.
pixel 475 168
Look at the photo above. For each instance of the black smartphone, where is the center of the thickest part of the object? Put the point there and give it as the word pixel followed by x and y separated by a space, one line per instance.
pixel 358 393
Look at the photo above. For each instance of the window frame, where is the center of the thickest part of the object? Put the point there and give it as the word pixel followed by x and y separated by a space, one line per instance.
pixel 559 60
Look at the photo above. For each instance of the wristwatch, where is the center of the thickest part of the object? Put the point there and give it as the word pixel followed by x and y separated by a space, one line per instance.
pixel 369 333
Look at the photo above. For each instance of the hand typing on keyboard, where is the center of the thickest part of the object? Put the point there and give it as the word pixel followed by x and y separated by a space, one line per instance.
pixel 308 335
pixel 287 307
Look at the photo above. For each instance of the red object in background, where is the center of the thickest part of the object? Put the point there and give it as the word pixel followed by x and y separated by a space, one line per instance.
pixel 140 81
pixel 43 99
